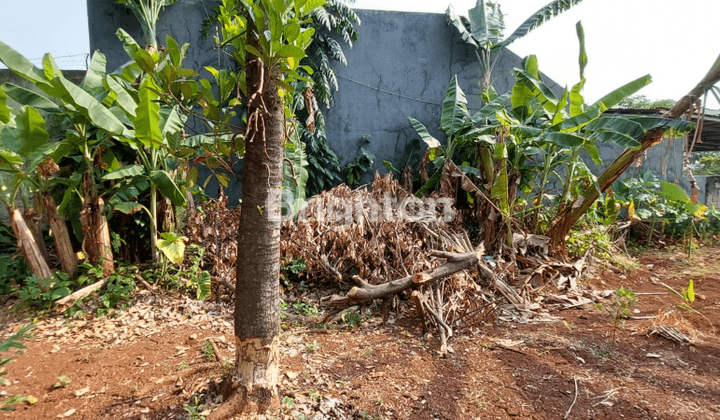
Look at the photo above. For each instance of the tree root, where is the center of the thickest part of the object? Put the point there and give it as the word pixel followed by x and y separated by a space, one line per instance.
pixel 237 400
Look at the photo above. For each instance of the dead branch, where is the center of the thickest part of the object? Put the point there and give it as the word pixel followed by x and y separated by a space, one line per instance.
pixel 218 356
pixel 82 293
pixel 225 283
pixel 365 292
pixel 574 400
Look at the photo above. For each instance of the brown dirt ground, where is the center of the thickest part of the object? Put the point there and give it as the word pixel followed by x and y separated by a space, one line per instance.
pixel 148 362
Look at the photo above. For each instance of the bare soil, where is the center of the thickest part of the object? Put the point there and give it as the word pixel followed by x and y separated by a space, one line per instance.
pixel 148 362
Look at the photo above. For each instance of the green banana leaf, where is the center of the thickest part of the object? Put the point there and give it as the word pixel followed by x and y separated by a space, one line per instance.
pixel 454 19
pixel 124 99
pixel 545 13
pixel 140 55
pixel 23 67
pixel 593 152
pixel 94 81
pixel 577 102
pixel 578 121
pixel 658 123
pixel 129 189
pixel 617 124
pixel 167 187
pixel 620 139
pixel 613 98
pixel 495 105
pixel 563 139
pixel 27 97
pixel 455 114
pixel 147 119
pixel 431 141
pixel 128 207
pixel 129 171
pixel 31 132
pixel 171 121
pixel 486 23
pixel 97 114
pixel 5 111
pixel 542 92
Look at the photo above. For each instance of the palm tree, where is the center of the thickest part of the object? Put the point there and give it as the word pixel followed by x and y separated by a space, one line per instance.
pixel 484 30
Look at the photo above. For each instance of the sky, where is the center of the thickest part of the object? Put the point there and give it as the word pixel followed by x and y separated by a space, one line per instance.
pixel 675 42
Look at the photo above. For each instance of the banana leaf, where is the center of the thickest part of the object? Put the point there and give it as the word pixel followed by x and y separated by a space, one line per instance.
pixel 545 13
pixel 613 98
pixel 456 20
pixel 93 82
pixel 455 114
pixel 486 23
pixel 167 187
pixel 577 102
pixel 147 119
pixel 27 97
pixel 431 141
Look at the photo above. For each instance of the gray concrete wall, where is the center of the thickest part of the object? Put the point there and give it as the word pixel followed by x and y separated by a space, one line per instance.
pixel 399 67
pixel 712 190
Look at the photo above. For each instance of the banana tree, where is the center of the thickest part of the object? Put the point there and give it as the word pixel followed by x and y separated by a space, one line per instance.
pixel 21 152
pixel 484 30
pixel 156 127
pixel 105 114
pixel 147 13
pixel 91 124
pixel 462 134
pixel 653 130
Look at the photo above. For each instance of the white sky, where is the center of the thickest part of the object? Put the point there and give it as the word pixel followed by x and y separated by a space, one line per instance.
pixel 676 42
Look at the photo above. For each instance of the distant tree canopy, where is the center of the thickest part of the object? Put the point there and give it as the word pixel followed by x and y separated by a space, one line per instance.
pixel 706 163
pixel 642 102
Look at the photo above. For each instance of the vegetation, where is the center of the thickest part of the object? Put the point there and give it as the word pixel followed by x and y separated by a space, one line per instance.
pixel 113 152
pixel 14 341
pixel 619 308
pixel 643 102
pixel 706 163
pixel 484 30
pixel 520 148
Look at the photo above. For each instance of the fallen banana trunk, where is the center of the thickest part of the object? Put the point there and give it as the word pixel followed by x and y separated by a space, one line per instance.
pixel 86 291
pixel 365 292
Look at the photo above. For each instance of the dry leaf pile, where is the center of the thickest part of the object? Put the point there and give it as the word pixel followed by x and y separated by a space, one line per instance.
pixel 378 234
pixel 215 228
pixel 344 232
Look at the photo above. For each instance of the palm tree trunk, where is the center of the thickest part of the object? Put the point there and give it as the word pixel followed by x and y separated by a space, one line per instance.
pixel 257 301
